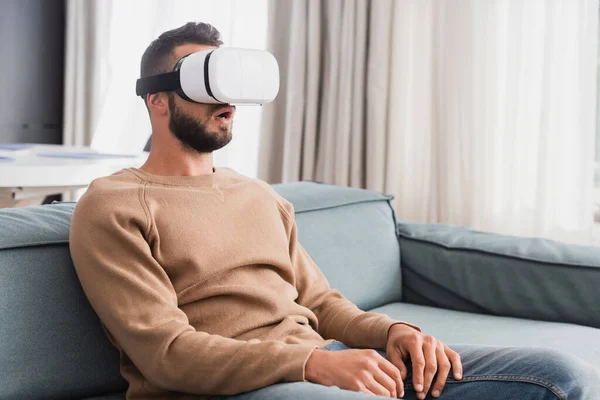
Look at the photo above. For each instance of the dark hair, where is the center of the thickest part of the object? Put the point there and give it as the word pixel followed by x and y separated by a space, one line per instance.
pixel 157 58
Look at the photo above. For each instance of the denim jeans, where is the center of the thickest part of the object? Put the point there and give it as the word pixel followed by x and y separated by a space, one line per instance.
pixel 499 373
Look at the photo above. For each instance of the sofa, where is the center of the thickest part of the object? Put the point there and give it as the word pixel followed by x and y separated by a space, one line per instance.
pixel 459 285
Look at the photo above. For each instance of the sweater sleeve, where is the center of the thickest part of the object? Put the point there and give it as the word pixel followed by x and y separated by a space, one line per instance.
pixel 338 318
pixel 136 302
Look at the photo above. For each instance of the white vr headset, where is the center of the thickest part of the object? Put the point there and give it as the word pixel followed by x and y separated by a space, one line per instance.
pixel 225 75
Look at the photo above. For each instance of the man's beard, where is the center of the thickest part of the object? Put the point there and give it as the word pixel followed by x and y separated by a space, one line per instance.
pixel 193 133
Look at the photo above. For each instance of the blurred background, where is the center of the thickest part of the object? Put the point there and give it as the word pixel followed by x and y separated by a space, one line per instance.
pixel 469 112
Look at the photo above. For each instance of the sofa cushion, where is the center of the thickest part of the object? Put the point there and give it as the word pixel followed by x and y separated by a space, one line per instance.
pixel 462 269
pixel 51 342
pixel 458 327
pixel 351 235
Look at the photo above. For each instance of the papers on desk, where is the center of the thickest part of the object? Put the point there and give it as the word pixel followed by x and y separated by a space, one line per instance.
pixel 86 155
pixel 15 146
pixel 8 150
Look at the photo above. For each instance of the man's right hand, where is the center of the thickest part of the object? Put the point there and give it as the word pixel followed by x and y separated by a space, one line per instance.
pixel 357 370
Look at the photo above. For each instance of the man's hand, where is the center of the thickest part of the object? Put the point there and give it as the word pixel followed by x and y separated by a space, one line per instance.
pixel 427 355
pixel 357 370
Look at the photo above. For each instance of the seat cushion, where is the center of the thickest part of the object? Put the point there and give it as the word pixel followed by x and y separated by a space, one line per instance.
pixel 351 236
pixel 458 327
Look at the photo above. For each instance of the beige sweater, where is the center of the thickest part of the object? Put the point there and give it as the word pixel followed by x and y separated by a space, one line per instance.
pixel 201 284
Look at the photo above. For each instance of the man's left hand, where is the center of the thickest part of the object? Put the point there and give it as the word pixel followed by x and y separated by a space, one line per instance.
pixel 428 357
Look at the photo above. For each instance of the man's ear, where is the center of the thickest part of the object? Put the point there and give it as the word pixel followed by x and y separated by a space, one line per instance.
pixel 158 103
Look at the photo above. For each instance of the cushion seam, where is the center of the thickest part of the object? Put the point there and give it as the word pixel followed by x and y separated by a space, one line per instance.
pixel 341 205
pixel 33 244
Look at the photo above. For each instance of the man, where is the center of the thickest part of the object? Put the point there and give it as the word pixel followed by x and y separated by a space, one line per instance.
pixel 200 282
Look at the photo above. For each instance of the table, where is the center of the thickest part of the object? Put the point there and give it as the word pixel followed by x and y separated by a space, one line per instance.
pixel 30 178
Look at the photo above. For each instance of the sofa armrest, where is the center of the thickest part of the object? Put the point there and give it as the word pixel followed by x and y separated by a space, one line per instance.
pixel 461 269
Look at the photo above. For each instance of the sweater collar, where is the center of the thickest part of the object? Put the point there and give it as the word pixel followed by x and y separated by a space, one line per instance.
pixel 180 180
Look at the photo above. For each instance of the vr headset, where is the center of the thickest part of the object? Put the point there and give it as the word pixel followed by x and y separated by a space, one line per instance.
pixel 224 75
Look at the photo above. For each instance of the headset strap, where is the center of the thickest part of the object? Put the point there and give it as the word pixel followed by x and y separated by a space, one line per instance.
pixel 158 83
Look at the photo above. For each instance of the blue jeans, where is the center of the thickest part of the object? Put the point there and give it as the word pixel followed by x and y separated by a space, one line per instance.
pixel 488 373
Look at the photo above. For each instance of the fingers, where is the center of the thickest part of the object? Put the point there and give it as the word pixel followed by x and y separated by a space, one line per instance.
pixel 431 366
pixel 455 361
pixel 385 382
pixel 367 391
pixel 414 346
pixel 443 370
pixel 394 374
pixel 378 375
pixel 395 358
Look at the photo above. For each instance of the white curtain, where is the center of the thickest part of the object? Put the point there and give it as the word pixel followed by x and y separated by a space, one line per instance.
pixel 105 42
pixel 85 68
pixel 494 104
pixel 477 113
pixel 315 129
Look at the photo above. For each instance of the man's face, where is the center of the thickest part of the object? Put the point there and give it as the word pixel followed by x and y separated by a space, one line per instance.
pixel 200 127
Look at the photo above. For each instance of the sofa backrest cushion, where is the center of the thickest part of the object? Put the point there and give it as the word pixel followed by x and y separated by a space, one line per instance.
pixel 51 342
pixel 351 235
pixel 458 268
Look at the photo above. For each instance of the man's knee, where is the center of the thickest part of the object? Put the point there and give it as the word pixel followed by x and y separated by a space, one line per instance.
pixel 572 377
pixel 558 374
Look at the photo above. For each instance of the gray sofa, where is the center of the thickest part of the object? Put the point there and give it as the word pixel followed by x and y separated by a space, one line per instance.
pixel 458 285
